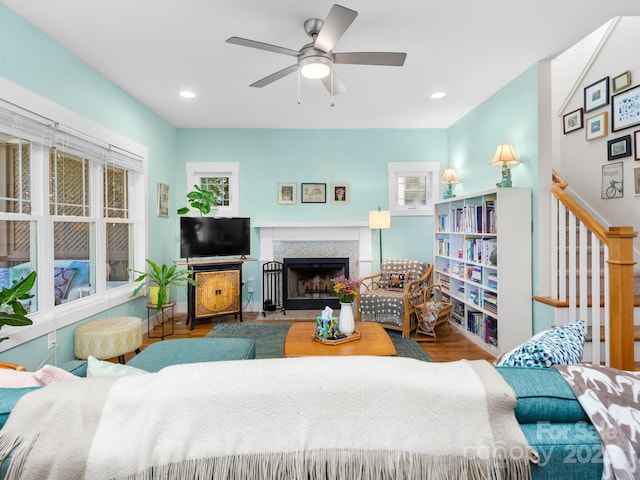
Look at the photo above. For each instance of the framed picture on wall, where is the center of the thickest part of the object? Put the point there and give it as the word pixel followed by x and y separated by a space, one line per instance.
pixel 621 82
pixel 619 148
pixel 573 121
pixel 636 181
pixel 163 200
pixel 597 126
pixel 340 193
pixel 314 193
pixel 596 95
pixel 625 109
pixel 612 180
pixel 636 143
pixel 287 193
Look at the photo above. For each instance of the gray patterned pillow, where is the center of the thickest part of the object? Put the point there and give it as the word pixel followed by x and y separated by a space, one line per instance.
pixel 558 346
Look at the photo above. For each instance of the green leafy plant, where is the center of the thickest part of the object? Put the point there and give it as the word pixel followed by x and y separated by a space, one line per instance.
pixel 12 312
pixel 162 276
pixel 201 200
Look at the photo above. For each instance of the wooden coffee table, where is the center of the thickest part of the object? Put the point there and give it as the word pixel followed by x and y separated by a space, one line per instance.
pixel 373 341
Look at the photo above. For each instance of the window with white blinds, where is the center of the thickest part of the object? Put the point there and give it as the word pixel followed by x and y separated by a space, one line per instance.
pixel 70 209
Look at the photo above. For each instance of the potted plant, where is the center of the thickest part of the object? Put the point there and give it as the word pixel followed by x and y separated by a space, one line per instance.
pixel 12 311
pixel 201 200
pixel 160 278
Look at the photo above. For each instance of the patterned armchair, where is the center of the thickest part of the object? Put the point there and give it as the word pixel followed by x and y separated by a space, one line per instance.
pixel 389 296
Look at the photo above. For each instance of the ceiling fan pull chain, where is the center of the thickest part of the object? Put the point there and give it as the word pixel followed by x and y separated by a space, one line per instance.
pixel 332 103
pixel 299 102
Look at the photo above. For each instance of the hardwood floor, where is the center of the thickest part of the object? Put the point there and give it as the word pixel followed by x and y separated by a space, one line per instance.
pixel 450 345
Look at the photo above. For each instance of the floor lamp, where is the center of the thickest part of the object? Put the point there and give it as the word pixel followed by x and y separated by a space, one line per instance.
pixel 380 220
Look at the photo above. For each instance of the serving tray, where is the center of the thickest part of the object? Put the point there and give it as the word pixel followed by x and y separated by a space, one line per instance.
pixel 337 341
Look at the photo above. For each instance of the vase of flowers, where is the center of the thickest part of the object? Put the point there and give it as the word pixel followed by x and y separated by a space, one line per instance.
pixel 346 290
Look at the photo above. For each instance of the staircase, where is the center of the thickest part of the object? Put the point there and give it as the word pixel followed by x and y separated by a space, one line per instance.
pixel 595 263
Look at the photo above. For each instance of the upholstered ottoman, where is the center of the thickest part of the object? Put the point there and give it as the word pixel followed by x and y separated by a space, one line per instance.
pixel 108 338
pixel 193 350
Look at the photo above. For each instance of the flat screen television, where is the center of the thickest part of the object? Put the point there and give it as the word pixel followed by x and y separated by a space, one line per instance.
pixel 214 237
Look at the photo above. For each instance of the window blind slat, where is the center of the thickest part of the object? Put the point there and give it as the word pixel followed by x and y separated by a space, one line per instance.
pixel 27 127
pixel 21 123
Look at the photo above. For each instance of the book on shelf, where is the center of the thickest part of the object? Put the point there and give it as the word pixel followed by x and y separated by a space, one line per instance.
pixel 474 274
pixel 490 215
pixel 458 309
pixel 490 251
pixel 491 308
pixel 458 269
pixel 472 220
pixel 457 318
pixel 443 247
pixel 473 248
pixel 475 322
pixel 490 302
pixel 479 214
pixel 492 281
pixel 491 330
pixel 473 297
pixel 458 220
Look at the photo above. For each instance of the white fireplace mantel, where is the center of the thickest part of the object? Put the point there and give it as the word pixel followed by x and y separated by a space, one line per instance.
pixel 360 232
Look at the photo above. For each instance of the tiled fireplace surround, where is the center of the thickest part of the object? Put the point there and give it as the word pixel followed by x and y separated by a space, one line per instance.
pixel 279 240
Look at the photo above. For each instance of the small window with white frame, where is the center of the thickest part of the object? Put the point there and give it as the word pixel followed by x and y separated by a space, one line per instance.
pixel 412 187
pixel 220 178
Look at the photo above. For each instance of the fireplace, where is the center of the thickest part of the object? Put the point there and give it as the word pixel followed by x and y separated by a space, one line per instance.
pixel 314 239
pixel 307 282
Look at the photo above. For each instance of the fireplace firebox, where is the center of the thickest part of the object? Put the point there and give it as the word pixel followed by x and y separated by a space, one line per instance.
pixel 308 282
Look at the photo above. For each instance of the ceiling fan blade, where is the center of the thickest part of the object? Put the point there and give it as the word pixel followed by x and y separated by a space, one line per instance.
pixel 262 46
pixel 274 76
pixel 335 25
pixel 392 59
pixel 338 86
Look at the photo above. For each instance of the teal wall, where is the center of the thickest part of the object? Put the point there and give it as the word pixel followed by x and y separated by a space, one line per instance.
pixel 508 116
pixel 359 157
pixel 270 156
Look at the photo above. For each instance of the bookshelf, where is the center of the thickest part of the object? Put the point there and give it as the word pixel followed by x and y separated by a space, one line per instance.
pixel 483 263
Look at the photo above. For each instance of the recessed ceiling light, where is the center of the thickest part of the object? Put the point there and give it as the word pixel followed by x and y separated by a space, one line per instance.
pixel 187 94
pixel 438 94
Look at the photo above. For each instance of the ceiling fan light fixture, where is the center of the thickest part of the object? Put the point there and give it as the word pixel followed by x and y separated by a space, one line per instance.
pixel 315 67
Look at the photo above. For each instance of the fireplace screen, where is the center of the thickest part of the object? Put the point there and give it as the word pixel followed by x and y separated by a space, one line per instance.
pixel 308 282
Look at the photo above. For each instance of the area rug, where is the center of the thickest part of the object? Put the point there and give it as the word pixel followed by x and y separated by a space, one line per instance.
pixel 269 339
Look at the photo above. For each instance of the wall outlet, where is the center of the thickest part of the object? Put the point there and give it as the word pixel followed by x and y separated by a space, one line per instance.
pixel 250 285
pixel 52 340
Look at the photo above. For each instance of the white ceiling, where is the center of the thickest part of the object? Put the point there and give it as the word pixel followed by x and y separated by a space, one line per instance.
pixel 153 49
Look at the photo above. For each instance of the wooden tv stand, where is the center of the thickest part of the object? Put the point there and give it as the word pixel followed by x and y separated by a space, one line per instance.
pixel 219 291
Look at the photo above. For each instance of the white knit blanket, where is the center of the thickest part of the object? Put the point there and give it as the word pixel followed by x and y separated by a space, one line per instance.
pixel 304 418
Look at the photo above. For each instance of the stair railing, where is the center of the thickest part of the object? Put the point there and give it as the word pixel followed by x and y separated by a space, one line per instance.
pixel 611 258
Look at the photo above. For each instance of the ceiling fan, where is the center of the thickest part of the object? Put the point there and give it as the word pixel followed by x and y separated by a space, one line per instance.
pixel 316 59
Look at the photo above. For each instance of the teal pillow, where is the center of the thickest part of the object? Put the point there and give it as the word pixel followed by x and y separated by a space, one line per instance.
pixel 542 396
pixel 566 450
pixel 557 346
pixel 77 367
pixel 101 368
pixel 8 399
